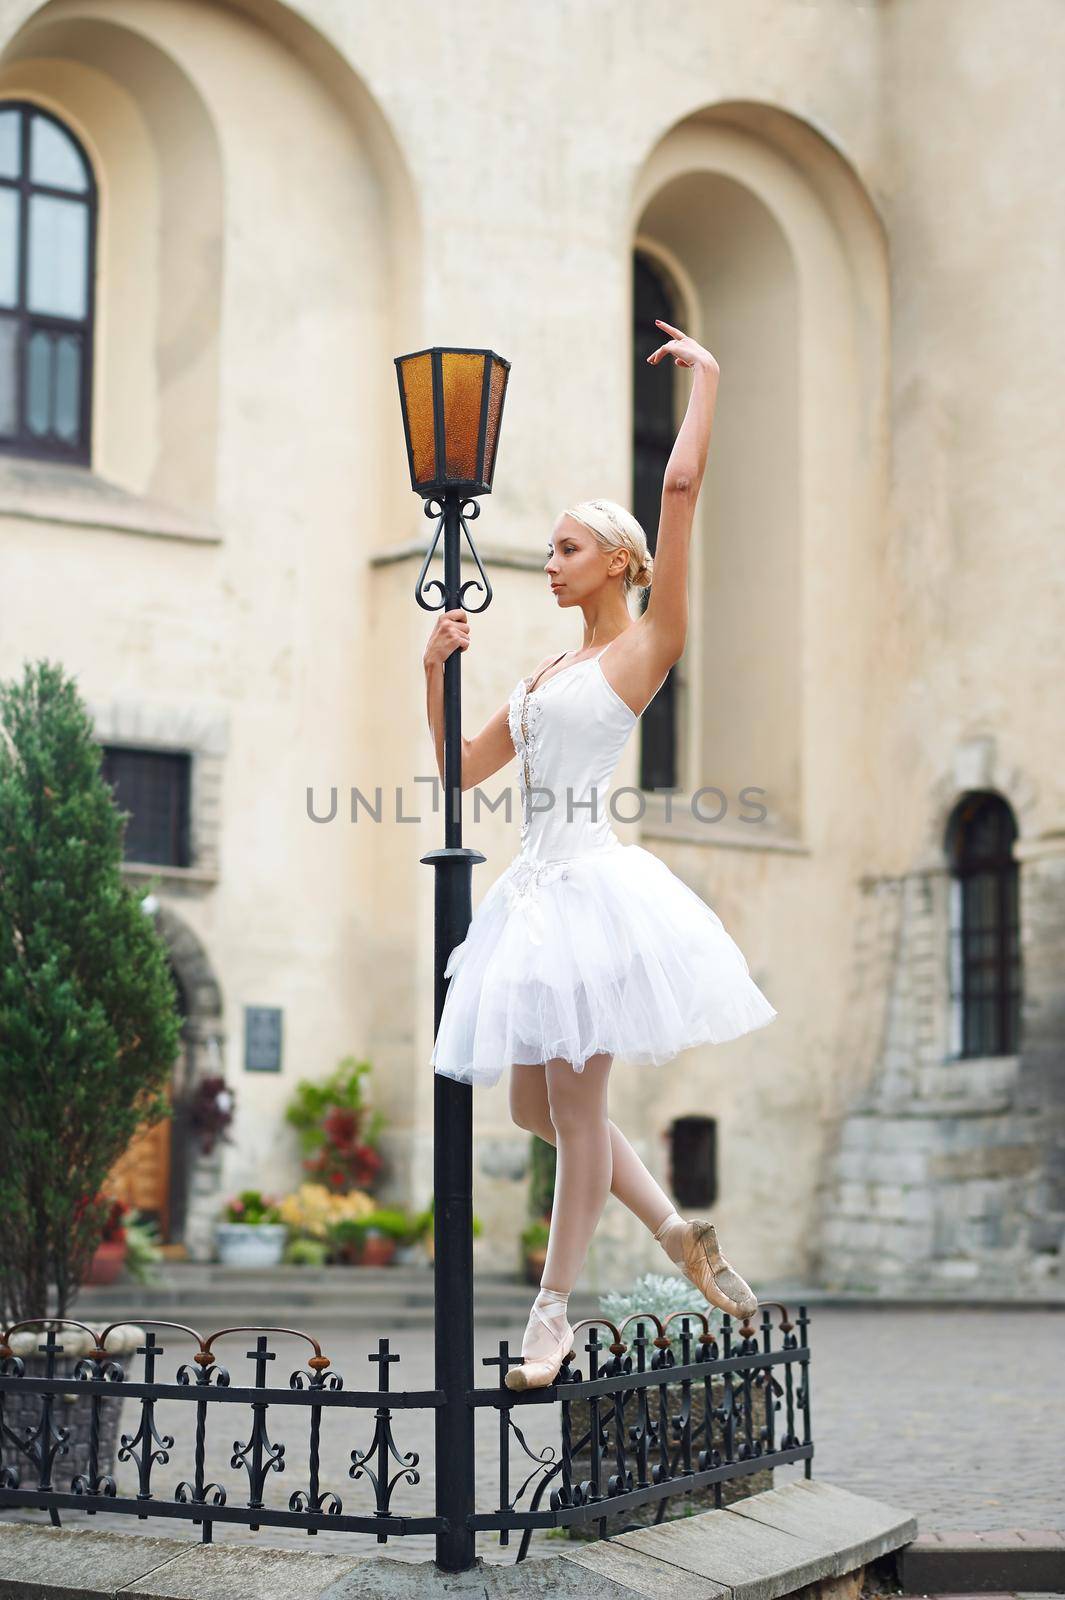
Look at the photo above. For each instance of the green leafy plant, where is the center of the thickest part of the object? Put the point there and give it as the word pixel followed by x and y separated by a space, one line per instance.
pixel 421 1225
pixel 393 1222
pixel 306 1253
pixel 252 1207
pixel 349 1234
pixel 88 1006
pixel 535 1236
pixel 543 1160
pixel 143 1254
pixel 338 1128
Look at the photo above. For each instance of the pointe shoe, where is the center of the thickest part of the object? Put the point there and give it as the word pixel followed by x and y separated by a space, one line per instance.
pixel 536 1372
pixel 707 1270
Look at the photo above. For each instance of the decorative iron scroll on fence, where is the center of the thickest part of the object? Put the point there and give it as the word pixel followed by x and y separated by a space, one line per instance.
pixel 642 1445
pixel 641 1441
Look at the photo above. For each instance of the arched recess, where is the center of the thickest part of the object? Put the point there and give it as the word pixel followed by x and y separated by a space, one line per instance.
pixel 785 260
pixel 215 239
pixel 159 1170
pixel 160 242
pixel 985 952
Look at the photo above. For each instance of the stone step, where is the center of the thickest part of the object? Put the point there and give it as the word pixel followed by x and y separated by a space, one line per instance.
pixel 1021 1559
pixel 381 1299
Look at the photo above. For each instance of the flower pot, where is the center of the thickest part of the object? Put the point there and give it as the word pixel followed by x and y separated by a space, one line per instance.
pixel 108 1260
pixel 534 1264
pixel 375 1250
pixel 250 1244
pixel 71 1409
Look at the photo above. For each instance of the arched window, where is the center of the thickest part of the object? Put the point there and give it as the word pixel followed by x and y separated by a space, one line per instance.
pixel 47 238
pixel 985 935
pixel 652 442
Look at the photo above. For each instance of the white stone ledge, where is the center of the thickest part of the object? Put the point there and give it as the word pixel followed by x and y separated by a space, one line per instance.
pixel 45 491
pixel 204 877
pixel 760 1548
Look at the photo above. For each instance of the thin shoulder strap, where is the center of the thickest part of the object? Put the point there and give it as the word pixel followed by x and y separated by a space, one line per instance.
pixel 550 664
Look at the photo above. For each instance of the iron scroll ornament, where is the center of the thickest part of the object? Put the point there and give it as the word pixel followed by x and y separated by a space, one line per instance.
pixel 472 510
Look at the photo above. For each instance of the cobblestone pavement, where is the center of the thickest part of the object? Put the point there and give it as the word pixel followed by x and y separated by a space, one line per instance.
pixel 957 1416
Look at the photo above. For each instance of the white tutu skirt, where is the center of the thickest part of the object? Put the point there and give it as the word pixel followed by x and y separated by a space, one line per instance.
pixel 608 951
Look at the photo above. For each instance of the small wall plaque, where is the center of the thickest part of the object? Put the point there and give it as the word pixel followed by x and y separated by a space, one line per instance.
pixel 262 1038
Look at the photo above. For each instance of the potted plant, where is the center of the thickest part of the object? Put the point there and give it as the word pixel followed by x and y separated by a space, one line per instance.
pixel 661 1294
pixel 543 1163
pixel 88 1015
pixel 422 1231
pixel 143 1254
pixel 369 1241
pixel 543 1158
pixel 212 1110
pixel 251 1233
pixel 312 1210
pixel 534 1249
pixel 410 1245
pixel 305 1253
pixel 109 1257
pixel 385 1230
pixel 337 1127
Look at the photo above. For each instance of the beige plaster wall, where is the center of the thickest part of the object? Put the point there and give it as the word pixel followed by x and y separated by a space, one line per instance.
pixel 382 178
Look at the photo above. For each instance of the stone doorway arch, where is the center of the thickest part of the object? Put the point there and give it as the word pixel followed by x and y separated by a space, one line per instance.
pixel 164 1171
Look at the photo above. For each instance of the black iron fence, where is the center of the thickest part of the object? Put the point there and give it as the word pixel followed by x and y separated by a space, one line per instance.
pixel 645 1426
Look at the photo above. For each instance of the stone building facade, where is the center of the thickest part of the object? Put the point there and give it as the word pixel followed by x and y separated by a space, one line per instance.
pixel 205 514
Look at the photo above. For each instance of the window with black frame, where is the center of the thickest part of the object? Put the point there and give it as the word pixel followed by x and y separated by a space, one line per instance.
pixel 154 787
pixel 652 442
pixel 693 1160
pixel 984 932
pixel 47 246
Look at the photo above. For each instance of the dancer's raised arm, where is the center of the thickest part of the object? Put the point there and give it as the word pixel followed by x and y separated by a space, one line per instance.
pixel 666 614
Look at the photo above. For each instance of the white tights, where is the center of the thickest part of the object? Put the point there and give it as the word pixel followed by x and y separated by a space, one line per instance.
pixel 569 1110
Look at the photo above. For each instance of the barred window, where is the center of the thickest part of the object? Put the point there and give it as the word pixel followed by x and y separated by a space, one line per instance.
pixel 985 933
pixel 47 244
pixel 153 786
pixel 693 1160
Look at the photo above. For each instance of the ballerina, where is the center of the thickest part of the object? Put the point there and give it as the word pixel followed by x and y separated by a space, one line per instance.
pixel 585 948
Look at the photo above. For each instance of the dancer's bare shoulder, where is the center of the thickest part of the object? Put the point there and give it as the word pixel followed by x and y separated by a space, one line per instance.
pixel 636 664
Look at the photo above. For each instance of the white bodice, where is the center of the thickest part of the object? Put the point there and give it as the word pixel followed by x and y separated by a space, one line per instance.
pixel 568 734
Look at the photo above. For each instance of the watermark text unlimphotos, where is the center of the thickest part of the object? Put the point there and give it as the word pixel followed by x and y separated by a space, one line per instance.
pixel 627 803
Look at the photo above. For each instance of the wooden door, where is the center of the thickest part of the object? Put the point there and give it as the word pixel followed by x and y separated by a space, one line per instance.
pixel 141 1175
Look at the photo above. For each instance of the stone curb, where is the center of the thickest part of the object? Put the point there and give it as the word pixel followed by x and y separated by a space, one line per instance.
pixel 1025 1559
pixel 769 1545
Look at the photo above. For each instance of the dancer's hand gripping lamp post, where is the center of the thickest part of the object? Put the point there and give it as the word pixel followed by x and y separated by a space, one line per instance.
pixel 452 409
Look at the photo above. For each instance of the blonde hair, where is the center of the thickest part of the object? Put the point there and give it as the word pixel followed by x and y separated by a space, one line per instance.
pixel 617 529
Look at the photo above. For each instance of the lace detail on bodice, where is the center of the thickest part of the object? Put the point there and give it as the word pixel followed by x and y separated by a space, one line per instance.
pixel 524 716
pixel 568 733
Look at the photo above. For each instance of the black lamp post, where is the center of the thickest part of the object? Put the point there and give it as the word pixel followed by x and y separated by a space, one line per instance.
pixel 452 403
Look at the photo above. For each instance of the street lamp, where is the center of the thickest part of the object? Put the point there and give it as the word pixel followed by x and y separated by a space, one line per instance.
pixel 452 407
pixel 452 402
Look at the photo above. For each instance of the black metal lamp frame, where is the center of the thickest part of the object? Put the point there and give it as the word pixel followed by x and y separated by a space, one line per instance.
pixel 452 505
